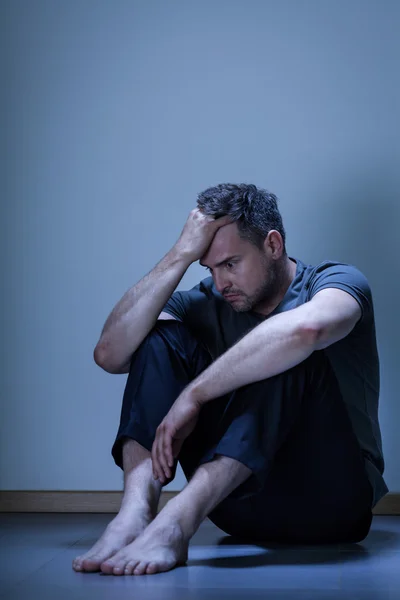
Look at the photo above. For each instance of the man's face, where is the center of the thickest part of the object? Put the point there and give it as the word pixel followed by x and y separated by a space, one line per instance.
pixel 251 273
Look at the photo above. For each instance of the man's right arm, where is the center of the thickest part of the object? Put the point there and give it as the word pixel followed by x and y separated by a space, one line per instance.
pixel 136 313
pixel 126 367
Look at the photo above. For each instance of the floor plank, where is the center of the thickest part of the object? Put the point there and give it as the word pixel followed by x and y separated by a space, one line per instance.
pixel 36 552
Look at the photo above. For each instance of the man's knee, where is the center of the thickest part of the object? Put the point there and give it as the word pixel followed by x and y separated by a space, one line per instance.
pixel 184 344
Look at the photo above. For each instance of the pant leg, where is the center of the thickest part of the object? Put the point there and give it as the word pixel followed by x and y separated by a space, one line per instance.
pixel 167 360
pixel 309 483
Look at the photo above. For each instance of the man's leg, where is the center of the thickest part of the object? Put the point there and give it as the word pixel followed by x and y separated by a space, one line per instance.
pixel 257 423
pixel 138 508
pixel 308 483
pixel 166 361
pixel 164 543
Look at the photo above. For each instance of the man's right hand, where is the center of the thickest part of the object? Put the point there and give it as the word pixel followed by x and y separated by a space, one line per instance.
pixel 198 233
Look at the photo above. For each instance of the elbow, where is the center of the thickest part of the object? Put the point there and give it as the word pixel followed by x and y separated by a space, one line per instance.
pixel 105 362
pixel 102 360
pixel 100 357
pixel 311 335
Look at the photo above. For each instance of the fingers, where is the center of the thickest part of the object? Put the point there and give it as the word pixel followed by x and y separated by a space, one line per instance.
pixel 218 221
pixel 157 470
pixel 163 460
pixel 161 454
pixel 222 221
pixel 154 461
pixel 168 451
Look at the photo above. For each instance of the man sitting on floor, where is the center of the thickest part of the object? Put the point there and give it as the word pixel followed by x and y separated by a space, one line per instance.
pixel 263 380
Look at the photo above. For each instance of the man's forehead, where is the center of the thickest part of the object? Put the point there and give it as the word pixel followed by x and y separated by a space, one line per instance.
pixel 225 244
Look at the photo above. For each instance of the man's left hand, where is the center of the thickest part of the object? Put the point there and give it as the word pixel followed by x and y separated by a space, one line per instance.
pixel 176 426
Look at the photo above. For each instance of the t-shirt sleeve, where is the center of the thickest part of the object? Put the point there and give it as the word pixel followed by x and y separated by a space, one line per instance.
pixel 343 277
pixel 177 306
pixel 191 306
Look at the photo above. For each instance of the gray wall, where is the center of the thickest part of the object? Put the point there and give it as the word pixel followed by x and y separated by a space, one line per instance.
pixel 115 115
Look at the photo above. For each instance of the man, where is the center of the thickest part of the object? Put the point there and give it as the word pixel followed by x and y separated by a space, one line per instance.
pixel 263 380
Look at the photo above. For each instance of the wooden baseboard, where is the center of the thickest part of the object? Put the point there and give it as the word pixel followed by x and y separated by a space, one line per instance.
pixel 67 502
pixel 109 502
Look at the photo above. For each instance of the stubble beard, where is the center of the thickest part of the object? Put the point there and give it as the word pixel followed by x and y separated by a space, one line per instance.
pixel 268 290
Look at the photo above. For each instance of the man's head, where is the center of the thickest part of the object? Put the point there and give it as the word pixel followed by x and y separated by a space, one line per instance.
pixel 256 241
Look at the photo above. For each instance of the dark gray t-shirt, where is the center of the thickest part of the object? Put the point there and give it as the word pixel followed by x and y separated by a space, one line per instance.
pixel 354 359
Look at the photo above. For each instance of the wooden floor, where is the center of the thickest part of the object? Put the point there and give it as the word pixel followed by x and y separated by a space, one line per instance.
pixel 36 552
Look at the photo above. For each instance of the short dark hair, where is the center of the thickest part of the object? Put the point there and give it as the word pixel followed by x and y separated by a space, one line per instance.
pixel 254 209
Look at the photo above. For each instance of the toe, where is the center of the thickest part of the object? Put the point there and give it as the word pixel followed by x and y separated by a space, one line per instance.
pixel 130 567
pixel 152 567
pixel 77 566
pixel 107 567
pixel 119 570
pixel 140 569
pixel 91 564
pixel 119 565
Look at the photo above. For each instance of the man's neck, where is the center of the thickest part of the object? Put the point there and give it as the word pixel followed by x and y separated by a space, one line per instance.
pixel 287 275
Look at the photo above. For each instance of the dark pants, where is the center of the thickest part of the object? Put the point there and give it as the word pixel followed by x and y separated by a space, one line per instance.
pixel 308 482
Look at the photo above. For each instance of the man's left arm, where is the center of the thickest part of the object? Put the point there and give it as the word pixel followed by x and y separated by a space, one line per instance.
pixel 279 343
pixel 274 346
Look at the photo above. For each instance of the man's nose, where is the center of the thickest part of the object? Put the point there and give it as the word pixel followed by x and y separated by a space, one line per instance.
pixel 222 283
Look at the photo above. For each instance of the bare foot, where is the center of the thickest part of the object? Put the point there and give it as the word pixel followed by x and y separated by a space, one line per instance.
pixel 120 532
pixel 161 547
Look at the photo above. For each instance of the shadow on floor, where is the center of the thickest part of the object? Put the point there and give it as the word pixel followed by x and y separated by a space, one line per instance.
pixel 285 554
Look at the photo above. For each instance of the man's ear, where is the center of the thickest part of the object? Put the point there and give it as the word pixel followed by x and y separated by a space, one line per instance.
pixel 273 244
